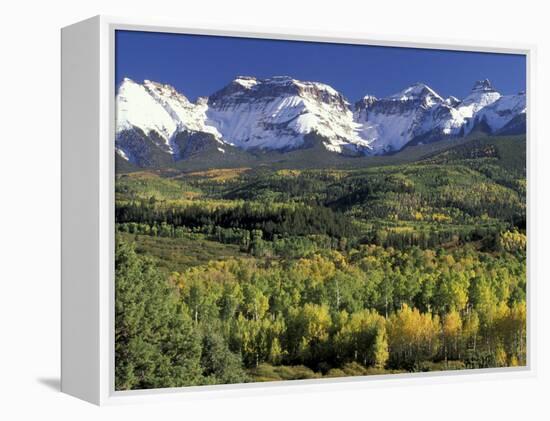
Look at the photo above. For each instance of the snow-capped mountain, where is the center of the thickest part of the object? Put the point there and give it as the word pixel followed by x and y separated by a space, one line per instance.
pixel 149 117
pixel 507 115
pixel 390 123
pixel 157 125
pixel 418 114
pixel 276 113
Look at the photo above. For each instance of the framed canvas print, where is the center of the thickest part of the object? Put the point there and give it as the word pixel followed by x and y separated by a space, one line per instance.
pixel 247 210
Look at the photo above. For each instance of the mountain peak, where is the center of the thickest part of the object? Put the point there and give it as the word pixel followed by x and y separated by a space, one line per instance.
pixel 365 102
pixel 484 85
pixel 127 81
pixel 416 91
pixel 278 113
pixel 276 86
pixel 246 82
pixel 452 101
pixel 483 94
pixel 369 99
pixel 281 78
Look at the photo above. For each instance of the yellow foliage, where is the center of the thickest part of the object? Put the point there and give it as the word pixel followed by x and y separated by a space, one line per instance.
pixel 220 174
pixel 439 217
pixel 500 356
pixel 512 241
pixel 410 331
pixel 317 321
pixel 452 324
pixel 289 173
pixel 315 269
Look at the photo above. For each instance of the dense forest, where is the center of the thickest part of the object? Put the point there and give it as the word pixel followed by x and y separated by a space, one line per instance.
pixel 259 274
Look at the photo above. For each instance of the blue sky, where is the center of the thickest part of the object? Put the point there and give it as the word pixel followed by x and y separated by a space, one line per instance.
pixel 200 65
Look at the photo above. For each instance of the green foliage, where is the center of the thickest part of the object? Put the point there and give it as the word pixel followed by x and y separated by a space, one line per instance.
pixel 363 339
pixel 179 253
pixel 155 343
pixel 218 363
pixel 276 273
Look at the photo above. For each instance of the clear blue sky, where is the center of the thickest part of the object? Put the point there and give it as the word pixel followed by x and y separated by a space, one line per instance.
pixel 200 65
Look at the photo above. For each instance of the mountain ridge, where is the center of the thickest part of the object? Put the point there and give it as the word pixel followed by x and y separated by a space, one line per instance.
pixel 277 113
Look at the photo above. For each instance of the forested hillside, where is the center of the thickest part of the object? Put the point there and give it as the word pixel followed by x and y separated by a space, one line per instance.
pixel 267 273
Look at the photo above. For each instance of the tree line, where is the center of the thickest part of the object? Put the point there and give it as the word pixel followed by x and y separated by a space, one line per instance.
pixel 274 219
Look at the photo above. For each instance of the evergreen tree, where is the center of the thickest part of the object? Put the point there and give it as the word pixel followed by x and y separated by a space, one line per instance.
pixel 155 343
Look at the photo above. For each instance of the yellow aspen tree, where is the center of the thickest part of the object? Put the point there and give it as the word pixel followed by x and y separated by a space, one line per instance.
pixel 452 331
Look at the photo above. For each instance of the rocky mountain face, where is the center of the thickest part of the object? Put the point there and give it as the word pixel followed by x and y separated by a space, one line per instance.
pixel 157 125
pixel 276 113
pixel 419 115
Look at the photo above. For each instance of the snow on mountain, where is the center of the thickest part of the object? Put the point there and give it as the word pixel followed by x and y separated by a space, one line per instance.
pixel 185 114
pixel 246 82
pixel 452 101
pixel 137 108
pixel 482 95
pixel 502 111
pixel 154 120
pixel 458 118
pixel 418 91
pixel 390 123
pixel 276 113
pixel 418 114
pixel 160 112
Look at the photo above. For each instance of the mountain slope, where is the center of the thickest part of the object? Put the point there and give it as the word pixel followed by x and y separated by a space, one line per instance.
pixel 277 113
pixel 392 122
pixel 158 126
pixel 418 114
pixel 507 114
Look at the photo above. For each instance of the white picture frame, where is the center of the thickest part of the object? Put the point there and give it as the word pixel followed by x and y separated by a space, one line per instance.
pixel 88 93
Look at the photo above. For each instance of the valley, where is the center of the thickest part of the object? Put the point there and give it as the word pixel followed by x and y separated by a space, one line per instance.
pixel 264 265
